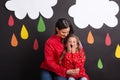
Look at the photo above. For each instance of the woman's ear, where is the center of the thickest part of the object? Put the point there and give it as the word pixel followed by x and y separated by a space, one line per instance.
pixel 57 29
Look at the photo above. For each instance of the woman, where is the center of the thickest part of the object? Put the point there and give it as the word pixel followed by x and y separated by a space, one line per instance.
pixel 50 68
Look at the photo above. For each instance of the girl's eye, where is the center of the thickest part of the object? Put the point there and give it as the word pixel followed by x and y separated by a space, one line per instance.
pixel 74 42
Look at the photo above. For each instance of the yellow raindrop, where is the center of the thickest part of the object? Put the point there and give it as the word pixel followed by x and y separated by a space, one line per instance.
pixel 117 51
pixel 90 38
pixel 24 33
pixel 14 41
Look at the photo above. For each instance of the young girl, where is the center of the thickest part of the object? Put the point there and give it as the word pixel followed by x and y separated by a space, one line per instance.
pixel 74 57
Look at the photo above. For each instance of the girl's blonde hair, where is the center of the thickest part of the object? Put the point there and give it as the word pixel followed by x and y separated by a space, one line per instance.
pixel 78 44
pixel 78 41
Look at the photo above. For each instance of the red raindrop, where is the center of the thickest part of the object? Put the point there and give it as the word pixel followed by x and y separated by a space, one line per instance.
pixel 11 21
pixel 108 40
pixel 35 45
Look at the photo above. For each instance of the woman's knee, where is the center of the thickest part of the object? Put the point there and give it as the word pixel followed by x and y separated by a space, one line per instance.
pixel 59 78
pixel 45 75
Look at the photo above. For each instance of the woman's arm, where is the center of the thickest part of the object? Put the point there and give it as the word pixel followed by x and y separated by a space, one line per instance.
pixel 51 60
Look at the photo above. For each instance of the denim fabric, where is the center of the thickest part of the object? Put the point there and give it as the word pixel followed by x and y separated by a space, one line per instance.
pixel 59 78
pixel 47 75
pixel 71 78
pixel 83 78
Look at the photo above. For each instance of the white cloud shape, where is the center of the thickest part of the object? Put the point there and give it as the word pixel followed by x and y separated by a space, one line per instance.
pixel 94 13
pixel 31 7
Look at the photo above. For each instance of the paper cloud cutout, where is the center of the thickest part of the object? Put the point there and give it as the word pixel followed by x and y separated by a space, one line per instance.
pixel 94 13
pixel 31 7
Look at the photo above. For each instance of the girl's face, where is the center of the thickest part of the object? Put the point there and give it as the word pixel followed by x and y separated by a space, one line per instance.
pixel 72 42
pixel 63 32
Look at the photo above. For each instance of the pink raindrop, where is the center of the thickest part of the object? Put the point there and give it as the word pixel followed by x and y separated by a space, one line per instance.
pixel 108 40
pixel 11 21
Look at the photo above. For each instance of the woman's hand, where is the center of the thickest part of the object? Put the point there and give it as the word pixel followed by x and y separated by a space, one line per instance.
pixel 73 71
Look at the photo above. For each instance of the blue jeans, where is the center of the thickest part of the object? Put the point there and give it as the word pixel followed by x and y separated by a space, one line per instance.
pixel 47 75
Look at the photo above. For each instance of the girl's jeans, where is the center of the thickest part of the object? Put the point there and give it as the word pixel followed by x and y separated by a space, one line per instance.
pixel 83 78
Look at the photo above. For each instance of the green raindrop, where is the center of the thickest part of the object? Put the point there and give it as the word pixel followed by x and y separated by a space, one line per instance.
pixel 41 25
pixel 100 64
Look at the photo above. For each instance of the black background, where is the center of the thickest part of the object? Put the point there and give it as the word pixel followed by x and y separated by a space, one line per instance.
pixel 22 62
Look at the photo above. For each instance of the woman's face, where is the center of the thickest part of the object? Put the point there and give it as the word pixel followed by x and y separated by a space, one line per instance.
pixel 63 32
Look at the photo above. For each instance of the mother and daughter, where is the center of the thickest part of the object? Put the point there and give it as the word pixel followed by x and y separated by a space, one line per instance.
pixel 64 56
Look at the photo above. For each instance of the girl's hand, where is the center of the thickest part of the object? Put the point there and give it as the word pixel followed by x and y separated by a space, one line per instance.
pixel 69 48
pixel 73 49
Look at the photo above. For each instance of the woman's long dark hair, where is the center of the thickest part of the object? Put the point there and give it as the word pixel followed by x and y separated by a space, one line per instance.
pixel 63 23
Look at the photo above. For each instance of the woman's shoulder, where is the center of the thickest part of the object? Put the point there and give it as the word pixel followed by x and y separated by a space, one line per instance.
pixel 52 39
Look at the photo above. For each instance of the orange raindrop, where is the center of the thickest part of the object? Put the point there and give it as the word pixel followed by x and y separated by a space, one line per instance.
pixel 11 21
pixel 14 41
pixel 24 33
pixel 90 38
pixel 117 51
pixel 108 40
pixel 35 45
